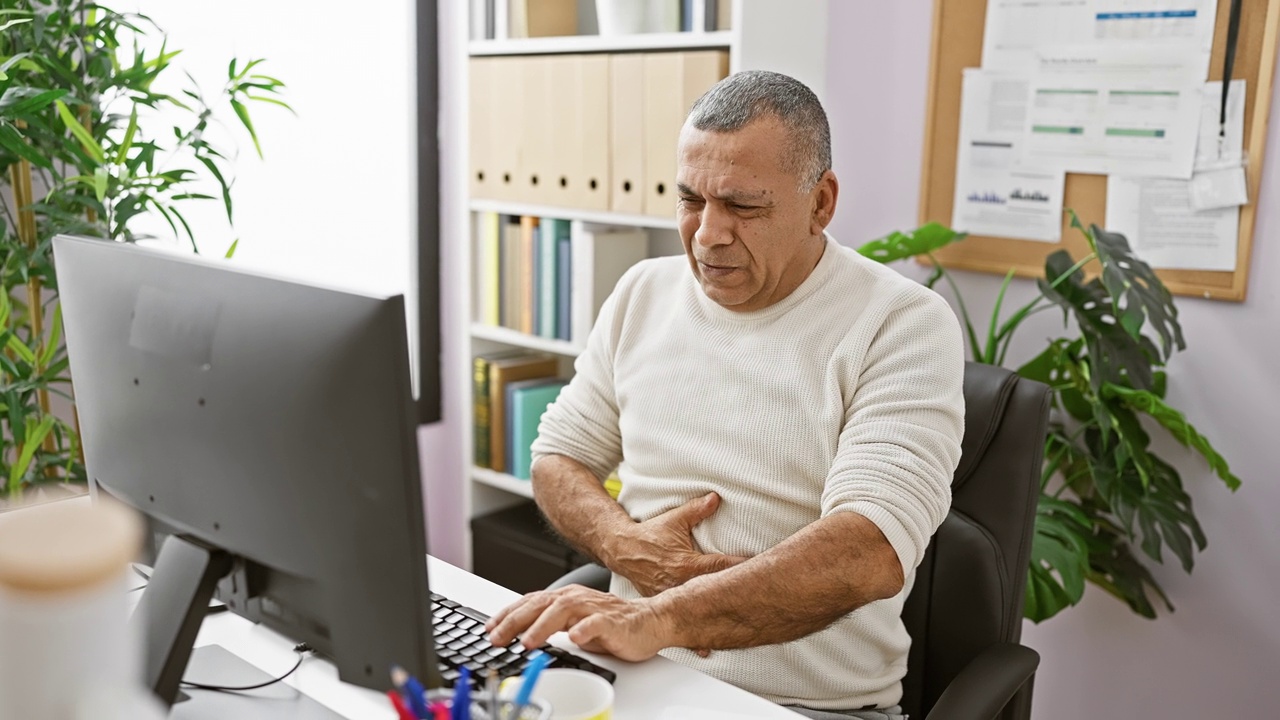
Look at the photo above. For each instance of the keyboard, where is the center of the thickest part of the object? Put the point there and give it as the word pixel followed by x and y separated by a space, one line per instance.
pixel 461 641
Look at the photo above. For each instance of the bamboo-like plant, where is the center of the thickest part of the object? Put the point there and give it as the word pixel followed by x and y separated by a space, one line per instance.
pixel 1103 490
pixel 83 150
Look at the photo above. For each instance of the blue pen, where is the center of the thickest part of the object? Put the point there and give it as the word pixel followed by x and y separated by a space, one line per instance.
pixel 413 691
pixel 538 661
pixel 462 695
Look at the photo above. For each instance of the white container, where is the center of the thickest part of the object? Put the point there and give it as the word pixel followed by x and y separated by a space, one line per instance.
pixel 66 649
pixel 622 17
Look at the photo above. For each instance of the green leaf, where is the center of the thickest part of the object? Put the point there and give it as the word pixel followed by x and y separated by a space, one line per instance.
pixel 273 101
pixel 1177 425
pixel 35 434
pixel 989 355
pixel 86 140
pixel 231 251
pixel 898 245
pixel 12 141
pixel 20 349
pixel 11 23
pixel 123 151
pixel 1059 558
pixel 1113 352
pixel 55 338
pixel 17 104
pixel 243 113
pixel 1137 293
pixel 222 183
pixel 100 178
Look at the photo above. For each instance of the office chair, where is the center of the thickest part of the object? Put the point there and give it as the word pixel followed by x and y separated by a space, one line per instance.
pixel 964 613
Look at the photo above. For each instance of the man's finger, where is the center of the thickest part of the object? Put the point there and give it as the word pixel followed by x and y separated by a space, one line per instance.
pixel 714 562
pixel 517 617
pixel 561 614
pixel 698 509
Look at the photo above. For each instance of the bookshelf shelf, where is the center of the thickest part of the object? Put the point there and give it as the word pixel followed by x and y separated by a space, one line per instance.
pixel 502 481
pixel 507 336
pixel 598 44
pixel 566 213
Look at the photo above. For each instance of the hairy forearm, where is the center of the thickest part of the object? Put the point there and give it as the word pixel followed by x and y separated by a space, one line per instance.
pixel 800 586
pixel 577 505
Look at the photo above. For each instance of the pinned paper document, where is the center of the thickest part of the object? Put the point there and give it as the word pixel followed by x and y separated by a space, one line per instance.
pixel 1190 224
pixel 994 196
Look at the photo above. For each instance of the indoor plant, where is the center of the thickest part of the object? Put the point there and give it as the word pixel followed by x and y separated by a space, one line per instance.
pixel 84 150
pixel 1103 490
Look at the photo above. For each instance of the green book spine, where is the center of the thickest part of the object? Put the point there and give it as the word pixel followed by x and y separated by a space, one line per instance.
pixel 480 399
pixel 527 401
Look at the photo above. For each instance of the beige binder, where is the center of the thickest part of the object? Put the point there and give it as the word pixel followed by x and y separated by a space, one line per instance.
pixel 672 82
pixel 627 134
pixel 506 126
pixel 534 116
pixel 563 158
pixel 589 185
pixel 481 173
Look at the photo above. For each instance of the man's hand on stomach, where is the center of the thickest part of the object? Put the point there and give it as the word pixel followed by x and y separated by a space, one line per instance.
pixel 660 553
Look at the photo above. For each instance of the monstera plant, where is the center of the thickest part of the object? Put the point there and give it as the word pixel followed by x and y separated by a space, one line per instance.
pixel 88 145
pixel 1109 504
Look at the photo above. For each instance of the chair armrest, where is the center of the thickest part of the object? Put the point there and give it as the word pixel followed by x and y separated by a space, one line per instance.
pixel 986 684
pixel 591 575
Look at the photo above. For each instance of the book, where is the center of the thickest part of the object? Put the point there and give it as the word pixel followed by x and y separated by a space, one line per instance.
pixel 527 300
pixel 564 286
pixel 502 372
pixel 600 257
pixel 552 231
pixel 509 273
pixel 480 404
pixel 488 272
pixel 542 18
pixel 526 402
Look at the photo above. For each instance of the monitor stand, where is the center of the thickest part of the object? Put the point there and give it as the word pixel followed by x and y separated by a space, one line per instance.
pixel 172 609
pixel 215 665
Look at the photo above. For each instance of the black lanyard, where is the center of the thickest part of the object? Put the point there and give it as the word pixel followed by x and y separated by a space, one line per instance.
pixel 1233 36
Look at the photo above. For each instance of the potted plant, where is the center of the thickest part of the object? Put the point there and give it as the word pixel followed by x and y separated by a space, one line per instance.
pixel 83 150
pixel 1104 491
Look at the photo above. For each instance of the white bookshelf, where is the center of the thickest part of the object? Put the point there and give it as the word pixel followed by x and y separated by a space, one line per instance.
pixel 565 213
pixel 788 37
pixel 515 338
pixel 502 481
pixel 598 44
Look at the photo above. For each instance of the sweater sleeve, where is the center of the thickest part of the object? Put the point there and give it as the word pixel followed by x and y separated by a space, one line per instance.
pixel 582 424
pixel 900 444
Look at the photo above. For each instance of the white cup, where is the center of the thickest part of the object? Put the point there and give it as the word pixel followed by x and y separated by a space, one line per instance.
pixel 572 694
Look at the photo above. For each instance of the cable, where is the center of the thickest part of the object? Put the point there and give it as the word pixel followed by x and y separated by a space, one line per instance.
pixel 301 648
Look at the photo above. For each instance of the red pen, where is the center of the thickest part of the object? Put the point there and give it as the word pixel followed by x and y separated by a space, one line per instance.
pixel 398 703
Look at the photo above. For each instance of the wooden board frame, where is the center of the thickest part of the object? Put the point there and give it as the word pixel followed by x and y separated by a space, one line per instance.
pixel 958 27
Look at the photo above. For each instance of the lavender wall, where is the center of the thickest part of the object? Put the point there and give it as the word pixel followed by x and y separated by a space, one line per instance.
pixel 1215 656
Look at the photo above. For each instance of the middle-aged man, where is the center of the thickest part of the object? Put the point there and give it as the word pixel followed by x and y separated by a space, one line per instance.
pixel 786 415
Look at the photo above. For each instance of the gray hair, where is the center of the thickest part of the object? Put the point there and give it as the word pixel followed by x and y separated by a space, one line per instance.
pixel 744 97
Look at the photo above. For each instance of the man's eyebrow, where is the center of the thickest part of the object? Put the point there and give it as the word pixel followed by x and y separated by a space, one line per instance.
pixel 732 197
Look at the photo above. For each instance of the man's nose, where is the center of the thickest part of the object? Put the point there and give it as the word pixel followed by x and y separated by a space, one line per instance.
pixel 715 227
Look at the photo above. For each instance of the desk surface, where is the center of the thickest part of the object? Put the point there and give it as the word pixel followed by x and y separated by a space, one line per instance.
pixel 657 688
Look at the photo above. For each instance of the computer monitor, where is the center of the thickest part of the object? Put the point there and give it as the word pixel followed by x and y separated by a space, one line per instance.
pixel 268 425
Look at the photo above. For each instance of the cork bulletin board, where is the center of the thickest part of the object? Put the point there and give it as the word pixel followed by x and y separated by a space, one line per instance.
pixel 958 27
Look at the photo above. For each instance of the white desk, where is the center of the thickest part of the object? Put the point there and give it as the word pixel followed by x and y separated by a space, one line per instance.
pixel 656 689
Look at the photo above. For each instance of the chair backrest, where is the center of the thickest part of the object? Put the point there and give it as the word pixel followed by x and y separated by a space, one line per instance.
pixel 968 592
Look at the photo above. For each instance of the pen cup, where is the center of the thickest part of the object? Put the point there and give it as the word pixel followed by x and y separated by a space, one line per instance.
pixel 571 694
pixel 481 709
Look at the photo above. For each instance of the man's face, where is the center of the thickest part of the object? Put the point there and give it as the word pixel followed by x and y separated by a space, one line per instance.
pixel 748 230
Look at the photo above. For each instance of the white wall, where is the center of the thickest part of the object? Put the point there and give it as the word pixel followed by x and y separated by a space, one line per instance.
pixel 1215 656
pixel 333 200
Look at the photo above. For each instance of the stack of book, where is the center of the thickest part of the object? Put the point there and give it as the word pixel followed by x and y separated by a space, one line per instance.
pixel 511 391
pixel 534 276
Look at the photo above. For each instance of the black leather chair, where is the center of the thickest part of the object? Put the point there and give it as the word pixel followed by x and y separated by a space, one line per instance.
pixel 964 613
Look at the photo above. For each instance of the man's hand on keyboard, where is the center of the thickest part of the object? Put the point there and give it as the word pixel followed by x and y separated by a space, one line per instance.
pixel 660 553
pixel 597 622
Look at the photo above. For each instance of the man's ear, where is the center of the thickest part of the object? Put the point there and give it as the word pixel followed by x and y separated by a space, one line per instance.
pixel 824 197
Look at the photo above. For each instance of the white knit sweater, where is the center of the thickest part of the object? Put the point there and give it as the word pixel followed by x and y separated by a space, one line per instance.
pixel 843 397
